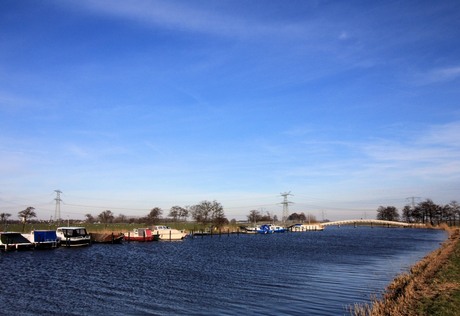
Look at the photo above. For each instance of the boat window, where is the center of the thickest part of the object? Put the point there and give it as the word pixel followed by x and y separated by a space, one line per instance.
pixel 81 232
pixel 67 232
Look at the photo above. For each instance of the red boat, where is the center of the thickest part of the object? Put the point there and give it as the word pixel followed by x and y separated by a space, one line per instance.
pixel 141 234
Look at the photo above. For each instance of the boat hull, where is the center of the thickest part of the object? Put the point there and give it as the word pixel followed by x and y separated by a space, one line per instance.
pixel 167 233
pixel 141 235
pixel 99 238
pixel 142 238
pixel 76 242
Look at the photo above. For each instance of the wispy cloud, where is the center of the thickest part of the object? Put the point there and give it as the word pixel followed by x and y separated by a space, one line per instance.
pixel 11 102
pixel 432 153
pixel 447 135
pixel 437 75
pixel 185 17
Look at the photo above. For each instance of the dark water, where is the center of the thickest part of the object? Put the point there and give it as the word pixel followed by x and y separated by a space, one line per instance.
pixel 310 273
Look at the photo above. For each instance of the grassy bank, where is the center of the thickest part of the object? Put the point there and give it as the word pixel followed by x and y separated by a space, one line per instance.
pixel 431 288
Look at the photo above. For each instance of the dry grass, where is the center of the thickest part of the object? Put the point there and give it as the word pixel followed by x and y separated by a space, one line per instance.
pixel 403 295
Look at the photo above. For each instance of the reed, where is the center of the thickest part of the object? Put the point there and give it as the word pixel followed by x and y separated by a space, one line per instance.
pixel 404 295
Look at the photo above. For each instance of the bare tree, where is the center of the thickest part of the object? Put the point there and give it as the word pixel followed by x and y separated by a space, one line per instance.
pixel 428 210
pixel 201 212
pixel 154 215
pixel 26 214
pixel 176 212
pixel 297 217
pixel 106 217
pixel 388 213
pixel 407 214
pixel 4 219
pixel 184 212
pixel 121 219
pixel 254 216
pixel 89 218
pixel 455 210
pixel 218 215
pixel 209 212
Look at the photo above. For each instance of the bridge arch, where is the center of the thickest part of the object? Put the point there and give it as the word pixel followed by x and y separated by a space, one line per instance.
pixel 367 221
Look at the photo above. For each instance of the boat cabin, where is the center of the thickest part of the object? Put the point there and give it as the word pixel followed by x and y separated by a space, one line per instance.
pixel 73 236
pixel 14 241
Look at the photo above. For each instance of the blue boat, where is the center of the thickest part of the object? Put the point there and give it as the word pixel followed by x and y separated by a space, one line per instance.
pixel 270 229
pixel 43 239
pixel 265 229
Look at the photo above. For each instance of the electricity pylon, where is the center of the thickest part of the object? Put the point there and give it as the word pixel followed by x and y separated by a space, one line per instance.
pixel 285 205
pixel 413 198
pixel 57 211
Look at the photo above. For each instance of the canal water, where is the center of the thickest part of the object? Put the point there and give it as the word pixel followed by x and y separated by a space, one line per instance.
pixel 308 273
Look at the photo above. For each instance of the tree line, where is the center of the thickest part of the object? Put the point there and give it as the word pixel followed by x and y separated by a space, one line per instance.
pixel 256 216
pixel 24 216
pixel 205 212
pixel 212 213
pixel 425 212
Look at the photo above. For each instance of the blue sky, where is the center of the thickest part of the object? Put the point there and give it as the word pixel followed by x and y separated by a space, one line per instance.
pixel 130 105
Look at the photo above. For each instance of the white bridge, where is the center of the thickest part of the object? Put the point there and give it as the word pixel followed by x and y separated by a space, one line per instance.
pixel 368 221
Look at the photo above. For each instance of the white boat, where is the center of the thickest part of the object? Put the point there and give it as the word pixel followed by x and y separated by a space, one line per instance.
pixel 141 234
pixel 14 241
pixel 278 229
pixel 265 229
pixel 73 236
pixel 43 239
pixel 252 229
pixel 168 233
pixel 305 227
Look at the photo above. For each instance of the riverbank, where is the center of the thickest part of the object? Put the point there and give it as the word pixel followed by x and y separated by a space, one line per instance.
pixel 431 288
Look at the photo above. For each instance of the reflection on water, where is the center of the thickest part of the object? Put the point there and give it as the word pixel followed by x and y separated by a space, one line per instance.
pixel 310 273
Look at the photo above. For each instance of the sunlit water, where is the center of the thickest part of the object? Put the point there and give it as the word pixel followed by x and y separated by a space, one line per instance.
pixel 309 273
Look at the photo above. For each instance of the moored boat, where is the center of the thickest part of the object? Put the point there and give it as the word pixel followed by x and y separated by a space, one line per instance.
pixel 43 239
pixel 73 236
pixel 141 234
pixel 14 241
pixel 252 229
pixel 265 229
pixel 104 238
pixel 305 227
pixel 278 229
pixel 168 233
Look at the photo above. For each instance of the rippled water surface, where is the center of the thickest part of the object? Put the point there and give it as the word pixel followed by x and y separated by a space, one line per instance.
pixel 310 273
